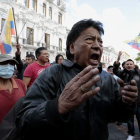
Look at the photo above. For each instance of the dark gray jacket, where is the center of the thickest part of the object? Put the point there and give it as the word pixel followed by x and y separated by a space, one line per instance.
pixel 40 119
pixel 20 67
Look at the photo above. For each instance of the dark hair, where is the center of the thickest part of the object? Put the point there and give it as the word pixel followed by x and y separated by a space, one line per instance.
pixel 76 31
pixel 100 65
pixel 123 63
pixel 103 63
pixel 38 51
pixel 109 67
pixel 136 67
pixel 129 60
pixel 57 57
pixel 31 55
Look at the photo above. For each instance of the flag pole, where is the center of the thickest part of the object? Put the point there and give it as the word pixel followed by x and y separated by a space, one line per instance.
pixel 15 26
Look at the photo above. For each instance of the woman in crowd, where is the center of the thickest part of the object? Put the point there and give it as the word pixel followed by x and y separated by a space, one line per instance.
pixel 59 59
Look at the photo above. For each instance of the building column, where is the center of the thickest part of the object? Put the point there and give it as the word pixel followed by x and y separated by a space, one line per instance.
pixel 24 29
pixel 36 38
pixel 39 34
pixel 39 7
pixel 0 22
pixel 19 33
pixel 30 5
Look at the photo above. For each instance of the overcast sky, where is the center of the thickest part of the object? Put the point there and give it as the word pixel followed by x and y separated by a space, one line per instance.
pixel 121 19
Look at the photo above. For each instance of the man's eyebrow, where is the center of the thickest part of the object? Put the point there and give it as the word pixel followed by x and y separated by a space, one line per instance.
pixel 93 36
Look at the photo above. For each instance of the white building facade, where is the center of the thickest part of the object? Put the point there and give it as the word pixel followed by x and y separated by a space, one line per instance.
pixel 39 23
pixel 109 56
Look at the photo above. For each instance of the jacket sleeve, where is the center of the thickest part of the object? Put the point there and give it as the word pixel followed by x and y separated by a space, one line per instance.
pixel 40 107
pixel 20 64
pixel 124 113
pixel 114 109
pixel 121 112
pixel 116 71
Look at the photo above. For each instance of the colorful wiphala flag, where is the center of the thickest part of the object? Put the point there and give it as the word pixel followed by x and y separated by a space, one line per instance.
pixel 8 30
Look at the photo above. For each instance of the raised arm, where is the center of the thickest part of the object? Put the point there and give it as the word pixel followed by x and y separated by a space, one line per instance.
pixel 116 65
pixel 18 58
pixel 119 56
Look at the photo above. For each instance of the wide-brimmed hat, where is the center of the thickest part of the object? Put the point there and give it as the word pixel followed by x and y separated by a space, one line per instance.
pixel 6 57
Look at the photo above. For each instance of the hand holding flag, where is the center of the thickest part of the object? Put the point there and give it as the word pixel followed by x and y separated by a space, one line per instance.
pixel 18 49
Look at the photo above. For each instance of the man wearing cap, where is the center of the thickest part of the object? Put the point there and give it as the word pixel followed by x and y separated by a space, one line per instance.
pixel 10 89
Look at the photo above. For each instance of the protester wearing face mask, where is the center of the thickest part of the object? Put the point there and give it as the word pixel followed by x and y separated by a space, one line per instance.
pixel 10 89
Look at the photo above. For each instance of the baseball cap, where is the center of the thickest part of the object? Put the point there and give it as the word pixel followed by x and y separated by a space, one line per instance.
pixel 6 57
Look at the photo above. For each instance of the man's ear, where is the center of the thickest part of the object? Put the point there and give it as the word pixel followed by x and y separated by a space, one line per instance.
pixel 37 56
pixel 72 48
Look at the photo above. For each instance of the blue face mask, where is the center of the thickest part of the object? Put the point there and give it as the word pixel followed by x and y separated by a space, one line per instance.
pixel 6 71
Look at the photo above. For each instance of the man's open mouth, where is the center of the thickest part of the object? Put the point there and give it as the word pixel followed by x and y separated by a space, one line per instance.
pixel 94 58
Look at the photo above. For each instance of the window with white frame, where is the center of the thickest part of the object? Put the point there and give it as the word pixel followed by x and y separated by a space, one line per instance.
pixel 34 4
pixel 26 2
pixel 59 18
pixel 47 40
pixel 2 23
pixel 58 2
pixel 60 44
pixel 30 36
pixel 50 13
pixel 44 9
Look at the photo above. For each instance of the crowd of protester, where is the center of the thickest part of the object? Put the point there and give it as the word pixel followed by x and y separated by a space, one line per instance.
pixel 73 98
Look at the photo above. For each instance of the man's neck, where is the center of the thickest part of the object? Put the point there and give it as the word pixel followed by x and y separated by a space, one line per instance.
pixel 41 63
pixel 128 70
pixel 6 84
pixel 4 81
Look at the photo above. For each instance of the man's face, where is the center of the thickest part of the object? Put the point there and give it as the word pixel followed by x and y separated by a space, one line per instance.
pixel 110 70
pixel 103 65
pixel 29 60
pixel 129 65
pixel 87 48
pixel 43 57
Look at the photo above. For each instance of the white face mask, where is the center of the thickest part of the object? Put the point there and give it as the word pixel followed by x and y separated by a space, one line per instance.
pixel 6 71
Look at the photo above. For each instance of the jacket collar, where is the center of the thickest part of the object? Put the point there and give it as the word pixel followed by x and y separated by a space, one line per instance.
pixel 69 64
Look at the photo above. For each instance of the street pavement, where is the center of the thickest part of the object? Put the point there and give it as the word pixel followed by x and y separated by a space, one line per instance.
pixel 120 132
